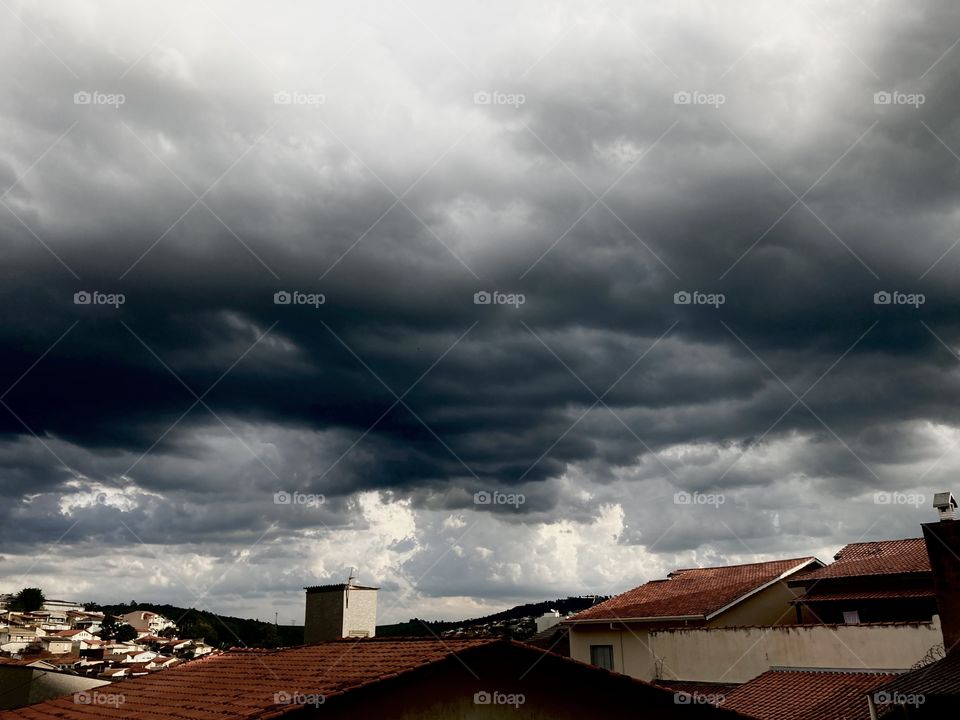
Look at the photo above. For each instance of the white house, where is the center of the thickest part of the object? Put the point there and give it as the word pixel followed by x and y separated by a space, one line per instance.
pixel 146 622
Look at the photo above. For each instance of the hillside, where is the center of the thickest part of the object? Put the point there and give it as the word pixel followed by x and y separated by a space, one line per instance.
pixel 517 621
pixel 219 630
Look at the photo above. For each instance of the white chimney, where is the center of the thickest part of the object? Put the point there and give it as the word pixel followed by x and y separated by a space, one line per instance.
pixel 945 505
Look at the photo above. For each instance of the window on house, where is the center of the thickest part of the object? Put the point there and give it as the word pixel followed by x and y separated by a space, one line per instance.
pixel 851 617
pixel 602 656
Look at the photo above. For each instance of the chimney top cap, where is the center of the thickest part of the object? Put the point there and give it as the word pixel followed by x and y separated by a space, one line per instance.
pixel 944 500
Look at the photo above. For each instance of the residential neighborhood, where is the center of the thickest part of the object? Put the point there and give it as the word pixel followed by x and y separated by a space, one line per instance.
pixel 874 633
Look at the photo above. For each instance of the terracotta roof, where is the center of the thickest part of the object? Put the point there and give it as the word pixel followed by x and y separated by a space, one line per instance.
pixel 699 689
pixel 695 592
pixel 938 679
pixel 893 594
pixel 806 695
pixel 886 557
pixel 243 684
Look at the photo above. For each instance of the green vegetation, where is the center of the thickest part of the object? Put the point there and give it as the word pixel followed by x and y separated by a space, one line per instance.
pixel 217 630
pixel 28 600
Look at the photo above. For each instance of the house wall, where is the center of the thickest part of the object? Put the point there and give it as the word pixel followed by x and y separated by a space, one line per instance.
pixel 768 607
pixel 740 654
pixel 631 653
pixel 631 642
pixel 323 619
pixel 360 613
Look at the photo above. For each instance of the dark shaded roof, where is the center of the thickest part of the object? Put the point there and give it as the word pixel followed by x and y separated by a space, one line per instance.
pixel 242 684
pixel 693 592
pixel 555 639
pixel 938 679
pixel 807 695
pixel 886 557
pixel 338 586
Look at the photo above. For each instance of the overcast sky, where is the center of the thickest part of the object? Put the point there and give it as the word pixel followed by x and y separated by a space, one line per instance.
pixel 585 167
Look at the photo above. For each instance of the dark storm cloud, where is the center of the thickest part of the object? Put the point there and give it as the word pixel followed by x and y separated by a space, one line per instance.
pixel 493 197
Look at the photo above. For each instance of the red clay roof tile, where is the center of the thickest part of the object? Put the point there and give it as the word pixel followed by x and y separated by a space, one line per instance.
pixel 886 557
pixel 806 695
pixel 692 592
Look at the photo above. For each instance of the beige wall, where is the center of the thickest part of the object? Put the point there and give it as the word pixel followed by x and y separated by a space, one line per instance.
pixel 631 654
pixel 740 654
pixel 768 607
pixel 360 614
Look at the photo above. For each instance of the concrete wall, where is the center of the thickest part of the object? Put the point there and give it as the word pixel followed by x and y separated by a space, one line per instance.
pixel 323 619
pixel 740 654
pixel 20 685
pixel 360 613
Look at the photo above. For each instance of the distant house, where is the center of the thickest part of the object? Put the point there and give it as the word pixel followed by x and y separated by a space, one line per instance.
pixel 56 645
pixel 886 581
pixel 615 634
pixel 387 678
pixel 146 622
pixel 76 635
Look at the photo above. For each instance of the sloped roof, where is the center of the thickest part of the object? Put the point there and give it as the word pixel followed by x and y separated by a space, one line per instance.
pixel 806 695
pixel 938 679
pixel 243 684
pixel 885 557
pixel 693 592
